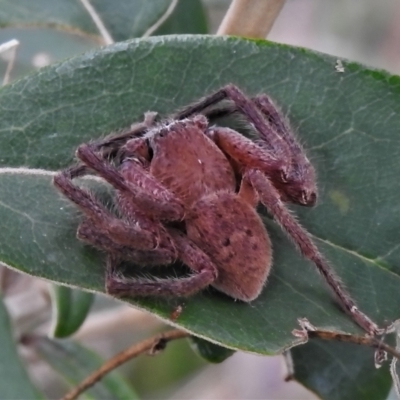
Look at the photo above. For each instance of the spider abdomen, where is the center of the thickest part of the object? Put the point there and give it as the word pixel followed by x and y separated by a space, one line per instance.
pixel 232 234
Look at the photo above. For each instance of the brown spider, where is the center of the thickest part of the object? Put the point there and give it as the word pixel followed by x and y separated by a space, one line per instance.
pixel 186 190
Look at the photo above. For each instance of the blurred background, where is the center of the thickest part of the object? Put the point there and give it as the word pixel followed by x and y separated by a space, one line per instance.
pixel 367 31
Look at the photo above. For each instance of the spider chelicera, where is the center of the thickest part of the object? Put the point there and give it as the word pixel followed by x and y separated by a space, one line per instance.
pixel 188 191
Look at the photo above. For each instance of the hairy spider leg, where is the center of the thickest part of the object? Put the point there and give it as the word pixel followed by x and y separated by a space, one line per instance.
pixel 163 254
pixel 246 106
pixel 293 173
pixel 135 215
pixel 136 186
pixel 112 143
pixel 138 149
pixel 301 164
pixel 104 231
pixel 301 182
pixel 238 149
pixel 188 253
pixel 246 152
pixel 272 114
pixel 122 233
pixel 275 117
pixel 205 273
pixel 269 197
pixel 192 256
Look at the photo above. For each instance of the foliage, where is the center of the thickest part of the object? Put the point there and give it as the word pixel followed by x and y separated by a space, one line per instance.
pixel 347 121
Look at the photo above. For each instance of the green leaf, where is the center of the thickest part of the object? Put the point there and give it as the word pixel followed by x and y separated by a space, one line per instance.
pixel 188 17
pixel 122 19
pixel 71 308
pixel 75 362
pixel 209 351
pixel 14 381
pixel 63 14
pixel 340 371
pixel 348 122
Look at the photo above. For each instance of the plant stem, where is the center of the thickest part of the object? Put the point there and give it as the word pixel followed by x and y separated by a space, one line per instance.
pixel 152 345
pixel 107 38
pixel 10 46
pixel 162 19
pixel 361 340
pixel 250 18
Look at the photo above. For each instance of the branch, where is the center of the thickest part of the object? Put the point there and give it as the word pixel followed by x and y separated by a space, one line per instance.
pixel 309 331
pixel 362 340
pixel 163 18
pixel 250 18
pixel 152 345
pixel 98 22
pixel 10 46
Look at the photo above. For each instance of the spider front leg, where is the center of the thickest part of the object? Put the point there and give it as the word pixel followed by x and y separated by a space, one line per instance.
pixel 245 153
pixel 247 107
pixel 279 126
pixel 205 273
pixel 269 110
pixel 276 137
pixel 254 169
pixel 270 198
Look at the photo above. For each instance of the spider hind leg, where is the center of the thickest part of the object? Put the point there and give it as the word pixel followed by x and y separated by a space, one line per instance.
pixel 204 270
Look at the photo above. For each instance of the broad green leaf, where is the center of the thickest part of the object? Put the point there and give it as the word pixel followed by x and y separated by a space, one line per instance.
pixel 209 351
pixel 123 19
pixel 64 14
pixel 348 122
pixel 188 17
pixel 14 380
pixel 71 306
pixel 340 371
pixel 75 362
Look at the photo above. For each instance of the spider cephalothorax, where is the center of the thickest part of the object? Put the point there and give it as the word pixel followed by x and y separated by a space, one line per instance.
pixel 187 191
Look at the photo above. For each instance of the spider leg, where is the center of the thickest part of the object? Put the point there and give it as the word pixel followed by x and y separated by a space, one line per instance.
pixel 269 196
pixel 204 270
pixel 136 148
pixel 255 171
pixel 272 114
pixel 249 109
pixel 298 186
pixel 112 143
pixel 163 254
pixel 275 117
pixel 123 233
pixel 136 185
pixel 77 171
pixel 245 152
